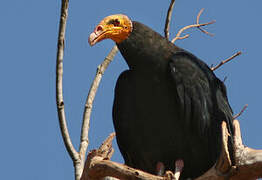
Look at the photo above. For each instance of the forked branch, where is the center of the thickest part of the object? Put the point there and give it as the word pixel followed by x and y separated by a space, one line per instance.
pixel 197 25
pixel 78 158
pixel 200 28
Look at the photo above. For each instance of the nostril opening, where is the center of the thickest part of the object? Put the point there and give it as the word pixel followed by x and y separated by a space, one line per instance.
pixel 99 28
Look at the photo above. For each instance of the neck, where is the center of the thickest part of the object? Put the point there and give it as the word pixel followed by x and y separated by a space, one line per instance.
pixel 145 48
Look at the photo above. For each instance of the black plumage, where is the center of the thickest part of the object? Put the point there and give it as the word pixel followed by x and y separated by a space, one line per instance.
pixel 169 105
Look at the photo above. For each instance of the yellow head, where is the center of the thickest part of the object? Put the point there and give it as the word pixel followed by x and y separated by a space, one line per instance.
pixel 116 27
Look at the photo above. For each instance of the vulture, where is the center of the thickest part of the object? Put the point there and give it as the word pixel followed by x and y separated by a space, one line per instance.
pixel 168 105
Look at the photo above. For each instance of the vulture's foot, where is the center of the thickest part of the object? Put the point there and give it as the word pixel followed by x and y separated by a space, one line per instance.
pixel 179 164
pixel 160 169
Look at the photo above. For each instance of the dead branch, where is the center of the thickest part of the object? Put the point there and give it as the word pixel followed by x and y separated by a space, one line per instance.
pixel 183 37
pixel 59 82
pixel 248 163
pixel 105 151
pixel 200 28
pixel 248 160
pixel 225 61
pixel 59 92
pixel 168 18
pixel 99 168
pixel 239 114
pixel 98 165
pixel 197 25
pixel 77 157
pixel 89 102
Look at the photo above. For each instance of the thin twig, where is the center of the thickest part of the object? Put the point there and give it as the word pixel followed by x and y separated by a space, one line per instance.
pixel 188 27
pixel 225 61
pixel 197 21
pixel 225 78
pixel 168 18
pixel 239 114
pixel 197 25
pixel 199 14
pixel 183 37
pixel 89 103
pixel 59 82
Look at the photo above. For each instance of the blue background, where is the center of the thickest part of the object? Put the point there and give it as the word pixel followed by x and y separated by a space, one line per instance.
pixel 31 144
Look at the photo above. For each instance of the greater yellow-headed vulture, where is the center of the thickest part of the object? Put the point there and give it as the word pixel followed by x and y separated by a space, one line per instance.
pixel 168 105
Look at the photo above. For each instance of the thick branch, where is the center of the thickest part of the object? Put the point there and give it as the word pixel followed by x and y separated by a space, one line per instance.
pixel 248 160
pixel 98 166
pixel 168 18
pixel 248 164
pixel 59 82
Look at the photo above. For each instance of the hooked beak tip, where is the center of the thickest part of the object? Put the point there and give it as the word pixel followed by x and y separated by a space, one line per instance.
pixel 92 39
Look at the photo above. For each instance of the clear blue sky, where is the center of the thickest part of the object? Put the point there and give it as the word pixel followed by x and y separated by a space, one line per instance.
pixel 31 144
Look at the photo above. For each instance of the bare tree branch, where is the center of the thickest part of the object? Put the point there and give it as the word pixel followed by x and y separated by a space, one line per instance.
pixel 59 82
pixel 248 160
pixel 239 114
pixel 248 163
pixel 168 18
pixel 201 29
pixel 197 25
pixel 78 158
pixel 89 103
pixel 98 166
pixel 183 37
pixel 225 61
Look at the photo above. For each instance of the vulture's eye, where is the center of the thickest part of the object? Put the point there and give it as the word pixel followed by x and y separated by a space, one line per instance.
pixel 116 22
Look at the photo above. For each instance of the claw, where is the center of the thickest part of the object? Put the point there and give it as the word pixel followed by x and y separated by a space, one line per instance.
pixel 179 168
pixel 160 169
